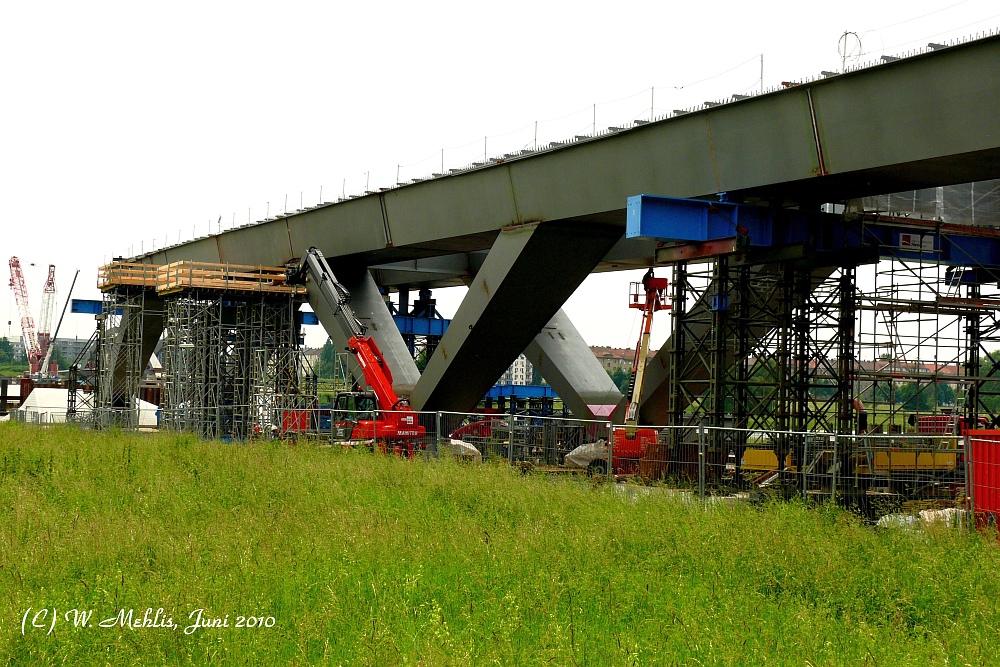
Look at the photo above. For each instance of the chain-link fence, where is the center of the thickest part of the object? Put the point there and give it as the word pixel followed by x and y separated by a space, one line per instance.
pixel 927 466
pixel 38 417
pixel 549 442
pixel 714 460
pixel 875 473
pixel 143 419
pixel 857 470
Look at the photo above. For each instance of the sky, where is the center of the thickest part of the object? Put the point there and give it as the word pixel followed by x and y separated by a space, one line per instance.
pixel 128 124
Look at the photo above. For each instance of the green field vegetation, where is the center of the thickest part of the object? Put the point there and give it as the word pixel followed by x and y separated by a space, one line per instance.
pixel 12 369
pixel 363 559
pixel 10 363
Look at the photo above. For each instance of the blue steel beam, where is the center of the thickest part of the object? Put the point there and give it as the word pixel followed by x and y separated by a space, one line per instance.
pixel 694 221
pixel 86 306
pixel 521 391
pixel 421 326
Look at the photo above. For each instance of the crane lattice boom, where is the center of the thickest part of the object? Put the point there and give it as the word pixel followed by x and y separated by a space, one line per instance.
pixel 28 335
pixel 48 307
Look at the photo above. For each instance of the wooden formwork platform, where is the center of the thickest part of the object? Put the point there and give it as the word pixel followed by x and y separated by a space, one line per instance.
pixel 185 275
pixel 131 274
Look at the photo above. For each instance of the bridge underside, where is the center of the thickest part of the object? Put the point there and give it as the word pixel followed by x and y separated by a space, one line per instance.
pixel 523 232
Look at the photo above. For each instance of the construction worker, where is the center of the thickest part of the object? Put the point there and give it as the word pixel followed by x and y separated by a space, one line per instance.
pixel 862 414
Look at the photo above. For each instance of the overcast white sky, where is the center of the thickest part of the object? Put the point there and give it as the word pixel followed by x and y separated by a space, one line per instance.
pixel 125 122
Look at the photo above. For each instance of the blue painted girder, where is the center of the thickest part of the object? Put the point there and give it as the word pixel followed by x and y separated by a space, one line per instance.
pixel 697 221
pixel 521 391
pixel 86 306
pixel 420 326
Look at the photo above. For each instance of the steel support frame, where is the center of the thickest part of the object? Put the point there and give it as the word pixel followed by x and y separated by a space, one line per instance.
pixel 764 348
pixel 277 365
pixel 79 380
pixel 829 359
pixel 739 330
pixel 982 363
pixel 779 350
pixel 120 361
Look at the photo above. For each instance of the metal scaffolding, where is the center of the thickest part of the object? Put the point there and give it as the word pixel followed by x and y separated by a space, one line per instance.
pixel 911 344
pixel 232 365
pixel 863 347
pixel 119 357
pixel 279 375
pixel 232 362
pixel 196 348
pixel 82 381
pixel 760 347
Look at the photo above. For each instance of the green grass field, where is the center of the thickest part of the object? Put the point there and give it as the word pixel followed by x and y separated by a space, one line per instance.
pixel 362 559
pixel 12 370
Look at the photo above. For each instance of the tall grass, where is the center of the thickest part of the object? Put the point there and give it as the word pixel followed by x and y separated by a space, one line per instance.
pixel 372 560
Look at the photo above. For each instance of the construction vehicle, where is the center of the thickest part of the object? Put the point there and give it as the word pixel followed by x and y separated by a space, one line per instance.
pixel 52 280
pixel 631 445
pixel 635 450
pixel 38 342
pixel 377 414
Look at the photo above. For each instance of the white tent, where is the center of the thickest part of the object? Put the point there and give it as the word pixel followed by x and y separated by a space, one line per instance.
pixel 47 405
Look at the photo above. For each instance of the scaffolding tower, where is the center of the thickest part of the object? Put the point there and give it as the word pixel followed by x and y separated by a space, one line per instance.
pixel 232 359
pixel 766 347
pixel 82 381
pixel 884 339
pixel 129 297
pixel 231 347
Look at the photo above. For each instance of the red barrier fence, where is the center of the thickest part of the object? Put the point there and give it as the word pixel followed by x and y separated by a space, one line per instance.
pixel 984 458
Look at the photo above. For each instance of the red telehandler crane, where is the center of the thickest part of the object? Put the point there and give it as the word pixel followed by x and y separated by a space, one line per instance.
pixel 397 426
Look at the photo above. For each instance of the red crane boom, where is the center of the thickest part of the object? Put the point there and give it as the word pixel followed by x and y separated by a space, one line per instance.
pixel 652 298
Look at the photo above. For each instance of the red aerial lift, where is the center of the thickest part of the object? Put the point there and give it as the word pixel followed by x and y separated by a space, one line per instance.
pixel 631 442
pixel 397 426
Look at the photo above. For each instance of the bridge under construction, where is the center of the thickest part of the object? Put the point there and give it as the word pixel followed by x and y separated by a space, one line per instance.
pixel 791 299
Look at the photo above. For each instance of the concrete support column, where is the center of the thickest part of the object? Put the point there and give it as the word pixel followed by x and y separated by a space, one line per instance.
pixel 529 273
pixel 149 329
pixel 567 363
